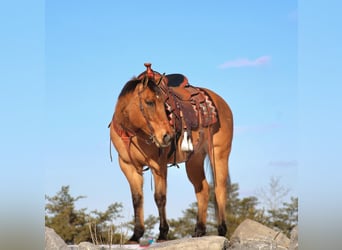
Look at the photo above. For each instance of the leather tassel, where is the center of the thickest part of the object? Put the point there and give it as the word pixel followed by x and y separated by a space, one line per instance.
pixel 190 146
pixel 185 145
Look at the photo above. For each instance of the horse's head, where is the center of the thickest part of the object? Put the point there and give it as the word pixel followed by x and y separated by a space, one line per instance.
pixel 143 109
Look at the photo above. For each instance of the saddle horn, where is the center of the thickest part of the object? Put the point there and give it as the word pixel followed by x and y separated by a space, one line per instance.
pixel 149 71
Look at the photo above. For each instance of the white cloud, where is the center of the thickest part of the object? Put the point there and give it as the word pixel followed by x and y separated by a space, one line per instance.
pixel 245 62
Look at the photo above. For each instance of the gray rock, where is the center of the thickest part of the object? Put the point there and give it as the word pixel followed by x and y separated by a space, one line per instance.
pixel 294 239
pixel 201 243
pixel 53 241
pixel 87 246
pixel 253 235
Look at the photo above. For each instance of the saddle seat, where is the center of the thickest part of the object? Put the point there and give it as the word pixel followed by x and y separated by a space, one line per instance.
pixel 176 80
pixel 180 86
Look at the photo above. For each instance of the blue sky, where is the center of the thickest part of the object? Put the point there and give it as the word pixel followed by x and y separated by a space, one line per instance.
pixel 245 51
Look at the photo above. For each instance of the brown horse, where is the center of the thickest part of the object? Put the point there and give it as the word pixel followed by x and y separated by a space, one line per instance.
pixel 160 120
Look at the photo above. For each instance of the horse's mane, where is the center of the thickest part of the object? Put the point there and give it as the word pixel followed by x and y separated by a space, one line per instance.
pixel 129 86
pixel 132 84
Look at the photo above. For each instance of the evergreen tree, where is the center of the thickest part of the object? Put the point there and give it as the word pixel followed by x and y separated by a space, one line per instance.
pixel 279 215
pixel 238 210
pixel 104 231
pixel 285 218
pixel 184 226
pixel 62 216
pixel 75 226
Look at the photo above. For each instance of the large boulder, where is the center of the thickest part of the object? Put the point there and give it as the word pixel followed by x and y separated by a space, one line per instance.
pixel 53 241
pixel 253 235
pixel 294 239
pixel 202 243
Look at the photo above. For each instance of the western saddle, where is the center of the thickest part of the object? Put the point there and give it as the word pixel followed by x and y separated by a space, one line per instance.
pixel 187 107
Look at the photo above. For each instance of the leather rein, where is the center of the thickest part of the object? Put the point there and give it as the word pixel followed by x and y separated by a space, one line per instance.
pixel 142 110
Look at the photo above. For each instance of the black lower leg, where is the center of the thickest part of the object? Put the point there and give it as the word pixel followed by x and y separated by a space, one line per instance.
pixel 200 230
pixel 163 226
pixel 138 233
pixel 138 227
pixel 222 229
pixel 163 231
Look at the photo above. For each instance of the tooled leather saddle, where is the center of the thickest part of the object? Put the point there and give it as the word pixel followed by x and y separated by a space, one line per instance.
pixel 188 107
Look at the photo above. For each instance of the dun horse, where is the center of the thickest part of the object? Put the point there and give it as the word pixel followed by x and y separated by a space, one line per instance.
pixel 161 120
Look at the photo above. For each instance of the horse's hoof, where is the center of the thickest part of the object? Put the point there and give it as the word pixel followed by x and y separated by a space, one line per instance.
pixel 222 229
pixel 200 230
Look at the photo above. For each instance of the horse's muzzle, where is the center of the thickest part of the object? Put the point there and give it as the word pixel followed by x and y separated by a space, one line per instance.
pixel 167 139
pixel 164 142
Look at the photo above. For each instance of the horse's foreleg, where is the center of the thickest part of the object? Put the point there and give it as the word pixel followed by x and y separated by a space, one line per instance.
pixel 135 181
pixel 160 199
pixel 195 172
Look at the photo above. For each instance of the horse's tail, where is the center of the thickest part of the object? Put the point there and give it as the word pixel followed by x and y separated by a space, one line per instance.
pixel 110 145
pixel 211 175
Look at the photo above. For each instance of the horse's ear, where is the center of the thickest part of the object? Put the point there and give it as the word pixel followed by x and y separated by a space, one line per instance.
pixel 143 85
pixel 145 81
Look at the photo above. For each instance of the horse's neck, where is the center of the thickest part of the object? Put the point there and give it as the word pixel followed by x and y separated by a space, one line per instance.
pixel 121 114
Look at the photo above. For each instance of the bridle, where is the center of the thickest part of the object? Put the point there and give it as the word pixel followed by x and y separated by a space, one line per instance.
pixel 149 75
pixel 142 110
pixel 126 134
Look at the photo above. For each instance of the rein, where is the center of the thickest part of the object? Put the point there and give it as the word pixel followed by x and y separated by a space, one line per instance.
pixel 142 110
pixel 127 137
pixel 149 75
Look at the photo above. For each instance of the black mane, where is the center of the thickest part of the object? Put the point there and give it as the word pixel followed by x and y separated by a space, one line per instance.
pixel 132 84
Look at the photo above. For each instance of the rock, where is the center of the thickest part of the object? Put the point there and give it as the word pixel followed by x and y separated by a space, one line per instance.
pixel 53 241
pixel 294 239
pixel 253 235
pixel 87 246
pixel 201 243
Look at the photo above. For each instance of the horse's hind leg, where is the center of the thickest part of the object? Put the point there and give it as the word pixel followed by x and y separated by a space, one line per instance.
pixel 160 199
pixel 196 175
pixel 218 152
pixel 135 181
pixel 219 164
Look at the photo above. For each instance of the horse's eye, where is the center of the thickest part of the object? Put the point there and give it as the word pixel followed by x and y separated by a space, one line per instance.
pixel 149 103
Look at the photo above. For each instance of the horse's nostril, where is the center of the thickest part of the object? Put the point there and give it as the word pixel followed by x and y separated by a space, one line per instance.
pixel 166 138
